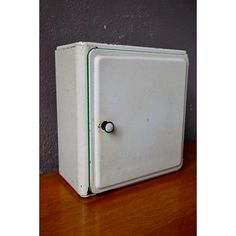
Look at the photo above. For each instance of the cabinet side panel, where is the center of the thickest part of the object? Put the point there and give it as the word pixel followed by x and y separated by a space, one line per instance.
pixel 67 115
pixel 82 119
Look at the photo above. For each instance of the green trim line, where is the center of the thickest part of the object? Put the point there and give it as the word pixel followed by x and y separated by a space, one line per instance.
pixel 88 117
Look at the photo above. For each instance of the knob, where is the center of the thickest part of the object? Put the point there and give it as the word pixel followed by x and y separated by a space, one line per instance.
pixel 107 126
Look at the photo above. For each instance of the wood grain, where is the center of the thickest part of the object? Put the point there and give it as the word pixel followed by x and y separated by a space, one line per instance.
pixel 161 206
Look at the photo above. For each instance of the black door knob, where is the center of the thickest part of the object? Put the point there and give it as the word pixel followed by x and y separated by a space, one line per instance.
pixel 107 126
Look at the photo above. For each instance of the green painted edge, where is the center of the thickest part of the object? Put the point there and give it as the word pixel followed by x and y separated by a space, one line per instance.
pixel 88 100
pixel 88 119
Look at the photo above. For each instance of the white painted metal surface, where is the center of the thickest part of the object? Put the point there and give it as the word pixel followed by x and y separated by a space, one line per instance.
pixel 121 112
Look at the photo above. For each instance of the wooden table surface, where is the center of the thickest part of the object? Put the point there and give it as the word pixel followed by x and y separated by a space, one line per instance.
pixel 162 206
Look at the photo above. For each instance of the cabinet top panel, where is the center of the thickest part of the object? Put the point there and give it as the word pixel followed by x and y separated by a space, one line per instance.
pixel 126 47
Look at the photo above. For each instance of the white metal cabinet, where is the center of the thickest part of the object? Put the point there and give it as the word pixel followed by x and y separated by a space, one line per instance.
pixel 121 112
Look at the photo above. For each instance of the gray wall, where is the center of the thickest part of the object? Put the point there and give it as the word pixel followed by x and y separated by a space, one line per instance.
pixel 151 23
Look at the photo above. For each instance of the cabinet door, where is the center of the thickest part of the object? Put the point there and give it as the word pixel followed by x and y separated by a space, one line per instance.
pixel 143 95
